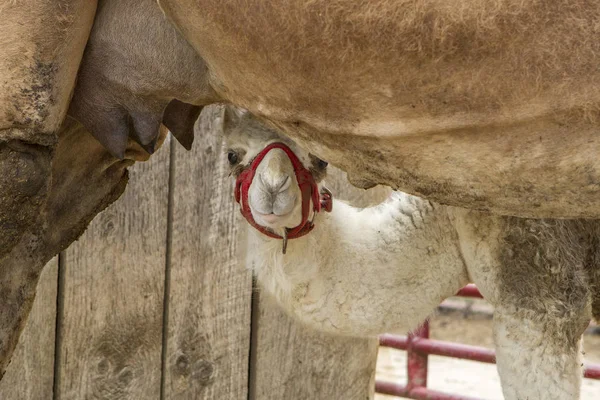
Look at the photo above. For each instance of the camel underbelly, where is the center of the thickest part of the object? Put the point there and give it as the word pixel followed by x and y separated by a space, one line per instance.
pixel 538 169
pixel 394 92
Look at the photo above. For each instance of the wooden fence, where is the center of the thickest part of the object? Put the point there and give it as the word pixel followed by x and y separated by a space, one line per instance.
pixel 151 303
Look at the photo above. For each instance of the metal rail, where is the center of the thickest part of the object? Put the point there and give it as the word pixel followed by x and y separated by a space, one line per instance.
pixel 418 347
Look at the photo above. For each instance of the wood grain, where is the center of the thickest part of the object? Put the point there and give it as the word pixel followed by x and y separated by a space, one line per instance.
pixel 210 293
pixel 30 374
pixel 295 363
pixel 292 362
pixel 111 330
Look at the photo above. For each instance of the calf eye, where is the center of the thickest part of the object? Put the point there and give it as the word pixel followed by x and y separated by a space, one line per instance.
pixel 323 164
pixel 232 157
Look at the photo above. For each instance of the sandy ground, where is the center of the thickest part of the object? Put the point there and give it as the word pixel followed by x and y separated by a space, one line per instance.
pixel 468 377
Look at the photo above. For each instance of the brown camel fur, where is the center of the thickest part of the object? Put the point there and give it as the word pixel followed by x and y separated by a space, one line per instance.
pixel 41 45
pixel 483 104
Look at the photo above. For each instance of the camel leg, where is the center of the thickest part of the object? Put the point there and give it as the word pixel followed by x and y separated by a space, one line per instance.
pixel 543 306
pixel 19 274
pixel 536 275
pixel 84 183
pixel 41 45
pixel 537 357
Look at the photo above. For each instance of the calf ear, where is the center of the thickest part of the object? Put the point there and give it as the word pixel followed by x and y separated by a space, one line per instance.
pixel 232 116
pixel 180 118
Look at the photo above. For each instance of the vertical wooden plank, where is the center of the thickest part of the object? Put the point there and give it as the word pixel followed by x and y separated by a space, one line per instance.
pixel 30 374
pixel 111 330
pixel 292 362
pixel 295 363
pixel 210 296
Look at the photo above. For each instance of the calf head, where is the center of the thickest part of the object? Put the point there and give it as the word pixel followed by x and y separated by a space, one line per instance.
pixel 277 181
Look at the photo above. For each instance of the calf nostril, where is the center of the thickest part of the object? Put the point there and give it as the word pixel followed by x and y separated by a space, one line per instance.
pixel 275 185
pixel 285 185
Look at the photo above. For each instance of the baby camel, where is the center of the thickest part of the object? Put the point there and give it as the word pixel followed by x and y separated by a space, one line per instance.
pixel 386 268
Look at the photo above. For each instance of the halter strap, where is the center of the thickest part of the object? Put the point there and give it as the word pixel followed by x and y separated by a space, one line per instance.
pixel 308 189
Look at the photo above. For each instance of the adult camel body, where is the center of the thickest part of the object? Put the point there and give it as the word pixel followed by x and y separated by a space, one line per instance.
pixel 483 104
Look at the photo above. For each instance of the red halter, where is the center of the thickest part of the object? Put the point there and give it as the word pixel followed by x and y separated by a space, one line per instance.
pixel 308 188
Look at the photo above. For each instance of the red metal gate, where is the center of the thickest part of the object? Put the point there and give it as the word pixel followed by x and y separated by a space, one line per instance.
pixel 418 346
